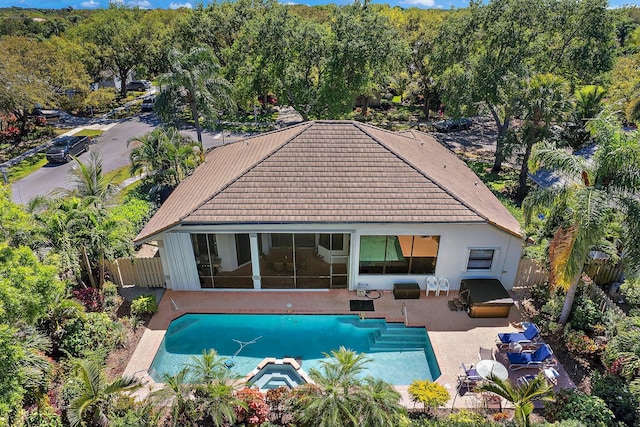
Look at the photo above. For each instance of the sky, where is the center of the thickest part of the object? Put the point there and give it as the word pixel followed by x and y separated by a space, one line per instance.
pixel 174 4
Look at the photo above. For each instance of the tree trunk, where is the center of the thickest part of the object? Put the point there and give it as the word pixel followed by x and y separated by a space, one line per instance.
pixel 123 83
pixel 101 270
pixel 502 127
pixel 87 266
pixel 196 119
pixel 427 102
pixel 365 105
pixel 568 301
pixel 524 168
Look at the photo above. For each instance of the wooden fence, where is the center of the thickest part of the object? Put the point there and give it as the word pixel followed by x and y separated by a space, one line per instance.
pixel 145 272
pixel 531 273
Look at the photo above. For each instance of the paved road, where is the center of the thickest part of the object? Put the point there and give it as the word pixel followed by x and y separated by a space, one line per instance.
pixel 112 144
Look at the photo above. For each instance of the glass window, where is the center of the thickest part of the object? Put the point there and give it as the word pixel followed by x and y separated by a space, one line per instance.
pixel 398 254
pixel 296 261
pixel 333 242
pixel 480 259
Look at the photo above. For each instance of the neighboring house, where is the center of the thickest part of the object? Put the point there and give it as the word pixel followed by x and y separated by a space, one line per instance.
pixel 332 204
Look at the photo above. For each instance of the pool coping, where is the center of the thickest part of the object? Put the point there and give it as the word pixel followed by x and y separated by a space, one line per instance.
pixel 454 336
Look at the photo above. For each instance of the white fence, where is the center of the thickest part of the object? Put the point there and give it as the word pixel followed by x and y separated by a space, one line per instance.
pixel 145 272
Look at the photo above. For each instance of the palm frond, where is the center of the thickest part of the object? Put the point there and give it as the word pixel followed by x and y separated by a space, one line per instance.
pixel 547 155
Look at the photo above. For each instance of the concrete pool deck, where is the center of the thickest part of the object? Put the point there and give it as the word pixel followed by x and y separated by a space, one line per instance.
pixel 455 337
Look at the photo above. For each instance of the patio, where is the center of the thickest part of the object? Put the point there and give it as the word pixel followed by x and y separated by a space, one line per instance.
pixel 455 336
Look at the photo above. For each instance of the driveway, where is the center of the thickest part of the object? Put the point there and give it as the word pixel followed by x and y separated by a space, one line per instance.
pixel 112 144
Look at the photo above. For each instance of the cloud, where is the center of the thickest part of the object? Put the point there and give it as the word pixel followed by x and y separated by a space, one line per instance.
pixel 420 3
pixel 91 4
pixel 142 4
pixel 179 5
pixel 116 2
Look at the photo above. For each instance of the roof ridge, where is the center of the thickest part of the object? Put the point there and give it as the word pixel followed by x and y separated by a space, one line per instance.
pixel 414 167
pixel 303 126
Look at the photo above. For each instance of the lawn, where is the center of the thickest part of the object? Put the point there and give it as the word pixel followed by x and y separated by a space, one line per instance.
pixel 35 162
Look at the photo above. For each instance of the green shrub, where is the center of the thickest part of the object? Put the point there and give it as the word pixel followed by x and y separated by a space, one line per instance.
pixel 467 418
pixel 584 313
pixel 631 291
pixel 575 405
pixel 126 412
pixel 429 393
pixel 615 393
pixel 578 342
pixel 43 416
pixel 97 331
pixel 144 304
pixel 112 300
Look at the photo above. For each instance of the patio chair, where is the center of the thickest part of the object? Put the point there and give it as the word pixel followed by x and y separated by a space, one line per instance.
pixel 524 360
pixel 461 302
pixel 469 379
pixel 443 285
pixel 530 335
pixel 486 354
pixel 432 285
pixel 550 374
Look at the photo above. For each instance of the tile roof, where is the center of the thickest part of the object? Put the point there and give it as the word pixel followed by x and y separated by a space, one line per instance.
pixel 332 172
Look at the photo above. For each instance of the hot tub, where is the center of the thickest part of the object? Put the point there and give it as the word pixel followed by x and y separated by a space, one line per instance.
pixel 487 298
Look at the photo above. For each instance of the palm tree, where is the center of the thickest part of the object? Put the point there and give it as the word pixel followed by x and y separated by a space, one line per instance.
pixel 341 398
pixel 595 193
pixel 209 367
pixel 588 101
pixel 194 81
pixel 175 392
pixel 89 181
pixel 217 402
pixel 521 396
pixel 380 403
pixel 96 392
pixel 543 102
pixel 165 156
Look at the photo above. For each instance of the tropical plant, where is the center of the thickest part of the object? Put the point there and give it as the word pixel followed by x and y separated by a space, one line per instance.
pixel 144 304
pixel 209 367
pixel 429 393
pixel 215 404
pixel 340 397
pixel 176 395
pixel 195 82
pixel 255 410
pixel 572 404
pixel 92 403
pixel 542 103
pixel 164 156
pixel 616 394
pixel 594 193
pixel 521 396
pixel 89 182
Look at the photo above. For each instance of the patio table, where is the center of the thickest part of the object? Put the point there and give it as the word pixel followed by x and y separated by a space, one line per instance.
pixel 486 368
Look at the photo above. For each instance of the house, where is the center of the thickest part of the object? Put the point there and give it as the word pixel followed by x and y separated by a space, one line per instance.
pixel 332 204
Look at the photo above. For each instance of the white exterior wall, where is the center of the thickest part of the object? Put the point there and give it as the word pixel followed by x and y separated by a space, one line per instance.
pixel 455 242
pixel 453 253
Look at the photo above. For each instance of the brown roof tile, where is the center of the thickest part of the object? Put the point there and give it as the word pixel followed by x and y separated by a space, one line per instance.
pixel 331 171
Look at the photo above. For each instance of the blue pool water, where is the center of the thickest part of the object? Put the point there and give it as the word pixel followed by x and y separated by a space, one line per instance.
pixel 398 354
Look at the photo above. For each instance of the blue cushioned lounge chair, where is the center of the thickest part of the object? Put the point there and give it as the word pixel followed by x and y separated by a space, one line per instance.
pixel 531 334
pixel 530 360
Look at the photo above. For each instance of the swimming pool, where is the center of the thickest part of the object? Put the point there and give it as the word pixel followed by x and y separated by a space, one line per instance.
pixel 398 354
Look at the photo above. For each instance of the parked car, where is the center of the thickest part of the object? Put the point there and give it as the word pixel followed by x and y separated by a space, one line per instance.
pixel 139 85
pixel 64 147
pixel 147 103
pixel 48 115
pixel 451 125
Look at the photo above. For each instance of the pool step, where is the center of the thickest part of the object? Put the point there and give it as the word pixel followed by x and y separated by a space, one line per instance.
pixel 397 337
pixel 418 339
